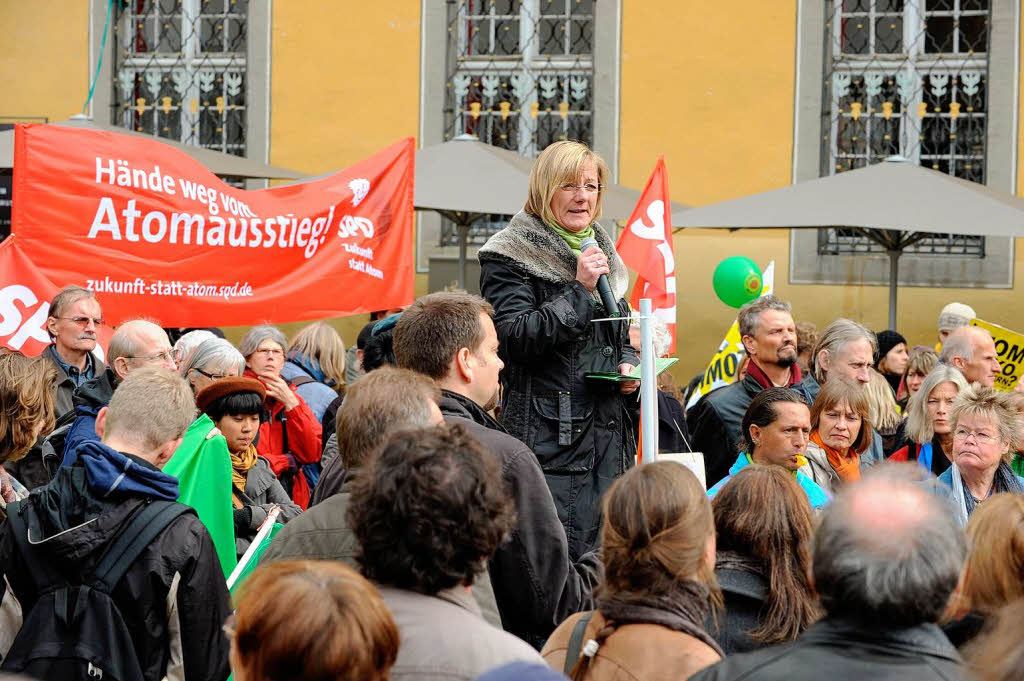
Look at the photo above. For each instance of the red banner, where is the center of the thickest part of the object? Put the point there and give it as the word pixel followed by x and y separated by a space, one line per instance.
pixel 646 248
pixel 156 234
pixel 25 296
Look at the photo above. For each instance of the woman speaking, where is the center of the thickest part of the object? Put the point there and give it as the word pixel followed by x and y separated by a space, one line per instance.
pixel 543 290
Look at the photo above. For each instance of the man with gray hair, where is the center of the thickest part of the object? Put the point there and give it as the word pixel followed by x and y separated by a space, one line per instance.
pixel 117 502
pixel 74 317
pixel 887 560
pixel 971 350
pixel 768 334
pixel 136 344
pixel 845 350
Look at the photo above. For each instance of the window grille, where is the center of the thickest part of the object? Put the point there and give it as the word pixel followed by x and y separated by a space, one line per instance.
pixel 906 78
pixel 180 70
pixel 520 76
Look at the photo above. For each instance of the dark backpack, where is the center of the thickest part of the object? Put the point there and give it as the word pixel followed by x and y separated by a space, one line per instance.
pixel 74 631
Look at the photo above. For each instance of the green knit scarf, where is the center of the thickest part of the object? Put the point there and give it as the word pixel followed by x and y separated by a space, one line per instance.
pixel 573 239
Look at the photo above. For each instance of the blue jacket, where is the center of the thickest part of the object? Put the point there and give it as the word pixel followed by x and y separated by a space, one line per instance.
pixel 815 494
pixel 89 398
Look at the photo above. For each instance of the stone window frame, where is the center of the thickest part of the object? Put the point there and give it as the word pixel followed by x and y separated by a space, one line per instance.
pixel 257 79
pixel 607 40
pixel 995 269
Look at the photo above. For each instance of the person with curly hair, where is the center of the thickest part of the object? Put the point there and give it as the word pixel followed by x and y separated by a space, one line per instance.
pixel 428 512
pixel 27 387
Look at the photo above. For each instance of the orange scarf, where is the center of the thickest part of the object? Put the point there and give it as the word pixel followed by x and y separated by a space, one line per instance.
pixel 846 467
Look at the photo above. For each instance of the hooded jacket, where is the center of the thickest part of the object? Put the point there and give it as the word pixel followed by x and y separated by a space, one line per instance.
pixel 89 398
pixel 535 583
pixel 173 598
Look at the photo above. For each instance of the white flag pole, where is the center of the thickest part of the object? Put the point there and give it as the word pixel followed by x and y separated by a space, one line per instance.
pixel 648 385
pixel 265 529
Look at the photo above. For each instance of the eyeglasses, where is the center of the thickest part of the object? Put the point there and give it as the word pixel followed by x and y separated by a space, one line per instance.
pixel 164 356
pixel 589 188
pixel 212 377
pixel 84 321
pixel 270 352
pixel 981 438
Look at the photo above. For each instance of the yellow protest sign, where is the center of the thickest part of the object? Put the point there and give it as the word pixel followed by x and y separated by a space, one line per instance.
pixel 1009 349
pixel 721 370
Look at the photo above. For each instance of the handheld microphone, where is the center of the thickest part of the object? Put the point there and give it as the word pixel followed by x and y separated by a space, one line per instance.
pixel 604 289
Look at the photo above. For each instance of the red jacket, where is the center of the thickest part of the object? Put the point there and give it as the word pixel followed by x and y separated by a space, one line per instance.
pixel 303 441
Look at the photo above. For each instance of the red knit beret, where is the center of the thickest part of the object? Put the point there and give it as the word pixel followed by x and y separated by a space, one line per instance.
pixel 227 386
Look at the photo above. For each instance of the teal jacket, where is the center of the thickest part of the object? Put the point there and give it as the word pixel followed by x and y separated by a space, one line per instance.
pixel 815 494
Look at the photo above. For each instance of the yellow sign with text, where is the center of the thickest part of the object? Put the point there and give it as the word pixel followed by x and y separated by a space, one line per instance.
pixel 1010 350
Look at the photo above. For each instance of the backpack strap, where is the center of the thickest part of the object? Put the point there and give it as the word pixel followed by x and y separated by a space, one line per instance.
pixel 42 573
pixel 300 380
pixel 144 527
pixel 576 642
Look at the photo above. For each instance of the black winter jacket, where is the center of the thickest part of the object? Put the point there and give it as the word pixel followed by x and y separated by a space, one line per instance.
pixel 836 649
pixel 535 584
pixel 743 594
pixel 174 599
pixel 582 431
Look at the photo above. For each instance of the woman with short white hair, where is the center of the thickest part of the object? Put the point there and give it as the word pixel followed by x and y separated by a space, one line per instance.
pixel 985 431
pixel 211 360
pixel 541 276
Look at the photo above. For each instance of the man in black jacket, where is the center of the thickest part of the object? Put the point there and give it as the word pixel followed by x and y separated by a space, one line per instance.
pixel 887 559
pixel 173 598
pixel 450 337
pixel 769 337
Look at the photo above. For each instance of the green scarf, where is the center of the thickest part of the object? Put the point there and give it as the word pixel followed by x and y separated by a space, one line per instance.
pixel 574 239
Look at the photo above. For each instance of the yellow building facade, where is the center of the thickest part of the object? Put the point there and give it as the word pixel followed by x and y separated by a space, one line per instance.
pixel 720 89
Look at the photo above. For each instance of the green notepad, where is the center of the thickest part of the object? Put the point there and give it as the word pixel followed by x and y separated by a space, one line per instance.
pixel 660 365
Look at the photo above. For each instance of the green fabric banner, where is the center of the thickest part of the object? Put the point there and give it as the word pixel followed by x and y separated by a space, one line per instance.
pixel 203 468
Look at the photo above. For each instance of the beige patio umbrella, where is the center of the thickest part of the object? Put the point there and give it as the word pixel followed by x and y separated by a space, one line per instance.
pixel 464 179
pixel 895 203
pixel 219 163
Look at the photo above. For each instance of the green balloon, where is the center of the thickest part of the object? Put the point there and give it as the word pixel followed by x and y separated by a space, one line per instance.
pixel 737 281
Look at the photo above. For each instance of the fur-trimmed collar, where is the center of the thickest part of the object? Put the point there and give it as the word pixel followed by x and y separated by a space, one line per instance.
pixel 530 245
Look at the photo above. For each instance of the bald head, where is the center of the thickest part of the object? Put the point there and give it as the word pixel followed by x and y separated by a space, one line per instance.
pixel 138 343
pixel 887 551
pixel 972 350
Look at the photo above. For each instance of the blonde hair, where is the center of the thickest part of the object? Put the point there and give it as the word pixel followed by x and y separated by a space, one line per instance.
pixel 321 345
pixel 26 396
pixel 995 568
pixel 561 163
pixel 885 414
pixel 150 407
pixel 991 404
pixel 919 424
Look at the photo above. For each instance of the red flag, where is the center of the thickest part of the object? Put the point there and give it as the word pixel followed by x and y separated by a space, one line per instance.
pixel 154 233
pixel 646 248
pixel 25 295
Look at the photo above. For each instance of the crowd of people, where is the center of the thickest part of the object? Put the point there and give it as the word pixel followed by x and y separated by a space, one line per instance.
pixel 458 494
